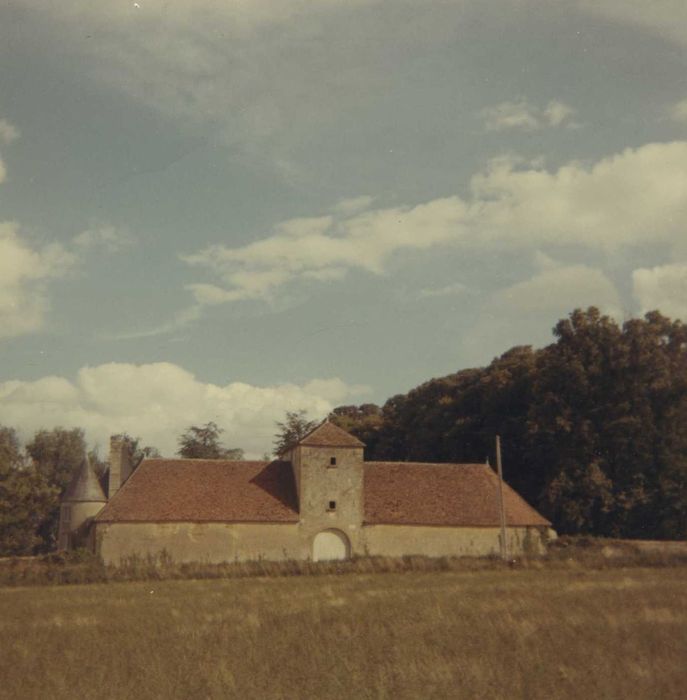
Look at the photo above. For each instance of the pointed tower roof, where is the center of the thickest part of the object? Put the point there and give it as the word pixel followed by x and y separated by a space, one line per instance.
pixel 85 485
pixel 327 434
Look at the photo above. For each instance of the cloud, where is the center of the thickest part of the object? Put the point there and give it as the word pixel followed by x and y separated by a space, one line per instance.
pixel 447 290
pixel 159 401
pixel 326 247
pixel 558 290
pixel 663 288
pixel 25 272
pixel 353 205
pixel 666 18
pixel 8 132
pixel 242 69
pixel 107 238
pixel 633 198
pixel 678 112
pixel 26 269
pixel 524 313
pixel 527 117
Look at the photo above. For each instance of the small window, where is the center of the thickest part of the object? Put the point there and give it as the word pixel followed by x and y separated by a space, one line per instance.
pixel 332 461
pixel 332 506
pixel 66 514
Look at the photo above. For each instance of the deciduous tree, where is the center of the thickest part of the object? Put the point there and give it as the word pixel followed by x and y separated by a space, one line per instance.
pixel 202 442
pixel 294 427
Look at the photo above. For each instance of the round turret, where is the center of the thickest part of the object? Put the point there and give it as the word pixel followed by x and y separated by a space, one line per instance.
pixel 83 499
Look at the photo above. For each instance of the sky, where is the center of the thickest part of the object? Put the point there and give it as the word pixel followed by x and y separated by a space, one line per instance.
pixel 226 210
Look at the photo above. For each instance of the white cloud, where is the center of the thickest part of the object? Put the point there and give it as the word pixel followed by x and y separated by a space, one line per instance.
pixel 325 247
pixel 527 117
pixel 510 115
pixel 159 401
pixel 24 275
pixel 663 288
pixel 558 290
pixel 638 196
pixel 25 269
pixel 667 18
pixel 633 198
pixel 524 313
pixel 8 132
pixel 556 113
pixel 678 112
pixel 107 238
pixel 353 205
pixel 447 290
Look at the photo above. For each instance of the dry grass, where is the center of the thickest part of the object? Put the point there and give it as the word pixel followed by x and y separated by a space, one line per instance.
pixel 567 552
pixel 558 632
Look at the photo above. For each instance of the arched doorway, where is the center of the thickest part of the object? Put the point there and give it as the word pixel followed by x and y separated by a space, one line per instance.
pixel 330 544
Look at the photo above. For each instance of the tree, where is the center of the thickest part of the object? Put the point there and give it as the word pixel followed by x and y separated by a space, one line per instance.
pixel 594 426
pixel 56 455
pixel 365 422
pixel 289 433
pixel 202 442
pixel 26 498
pixel 138 452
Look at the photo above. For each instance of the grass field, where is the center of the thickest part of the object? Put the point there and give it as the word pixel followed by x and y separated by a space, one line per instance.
pixel 503 633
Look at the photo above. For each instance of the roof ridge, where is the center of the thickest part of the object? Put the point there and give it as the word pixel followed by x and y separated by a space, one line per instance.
pixel 334 436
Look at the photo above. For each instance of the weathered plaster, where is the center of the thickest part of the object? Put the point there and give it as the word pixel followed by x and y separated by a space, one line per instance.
pixel 432 541
pixel 207 542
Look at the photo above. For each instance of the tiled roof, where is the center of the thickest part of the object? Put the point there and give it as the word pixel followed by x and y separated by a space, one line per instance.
pixel 408 493
pixel 329 435
pixel 202 490
pixel 416 493
pixel 85 486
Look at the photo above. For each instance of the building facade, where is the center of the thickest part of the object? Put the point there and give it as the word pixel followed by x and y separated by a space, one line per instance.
pixel 320 500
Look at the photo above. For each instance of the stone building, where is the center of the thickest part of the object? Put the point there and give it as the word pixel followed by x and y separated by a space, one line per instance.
pixel 320 500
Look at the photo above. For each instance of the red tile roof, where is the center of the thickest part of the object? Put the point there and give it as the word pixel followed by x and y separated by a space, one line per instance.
pixel 329 435
pixel 416 493
pixel 409 493
pixel 205 490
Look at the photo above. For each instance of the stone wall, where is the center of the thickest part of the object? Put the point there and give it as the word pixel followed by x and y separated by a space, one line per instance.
pixel 205 542
pixel 434 541
pixel 226 542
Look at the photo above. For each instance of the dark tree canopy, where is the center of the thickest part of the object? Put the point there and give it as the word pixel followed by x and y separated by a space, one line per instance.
pixel 56 455
pixel 594 426
pixel 26 498
pixel 295 426
pixel 202 442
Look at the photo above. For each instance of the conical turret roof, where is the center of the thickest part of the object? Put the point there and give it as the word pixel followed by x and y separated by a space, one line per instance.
pixel 85 485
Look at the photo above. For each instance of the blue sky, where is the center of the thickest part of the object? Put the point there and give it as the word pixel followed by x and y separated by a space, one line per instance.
pixel 226 210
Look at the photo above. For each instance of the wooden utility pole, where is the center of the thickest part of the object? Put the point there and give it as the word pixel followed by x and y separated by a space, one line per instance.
pixel 502 510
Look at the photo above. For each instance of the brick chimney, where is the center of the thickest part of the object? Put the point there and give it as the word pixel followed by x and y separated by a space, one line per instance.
pixel 120 464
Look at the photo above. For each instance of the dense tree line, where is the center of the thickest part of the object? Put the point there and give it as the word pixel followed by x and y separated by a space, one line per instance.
pixel 35 476
pixel 32 481
pixel 594 426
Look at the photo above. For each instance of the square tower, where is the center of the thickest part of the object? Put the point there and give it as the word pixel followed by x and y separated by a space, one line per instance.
pixel 328 470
